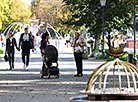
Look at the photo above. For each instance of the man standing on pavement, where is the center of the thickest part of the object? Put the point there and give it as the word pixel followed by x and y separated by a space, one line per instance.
pixel 26 43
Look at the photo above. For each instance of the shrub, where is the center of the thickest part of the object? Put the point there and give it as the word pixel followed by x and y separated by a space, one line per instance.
pixel 1 51
pixel 110 58
pixel 124 58
pixel 136 36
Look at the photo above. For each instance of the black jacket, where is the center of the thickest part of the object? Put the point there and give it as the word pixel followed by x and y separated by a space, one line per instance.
pixel 43 45
pixel 26 45
pixel 8 47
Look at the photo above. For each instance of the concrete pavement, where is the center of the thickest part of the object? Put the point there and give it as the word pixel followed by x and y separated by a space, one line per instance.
pixel 26 86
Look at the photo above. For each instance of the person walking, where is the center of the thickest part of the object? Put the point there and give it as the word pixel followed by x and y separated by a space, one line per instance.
pixel 26 43
pixel 10 50
pixel 78 43
pixel 33 37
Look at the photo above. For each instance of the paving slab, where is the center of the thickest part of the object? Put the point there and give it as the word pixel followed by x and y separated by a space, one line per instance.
pixel 26 86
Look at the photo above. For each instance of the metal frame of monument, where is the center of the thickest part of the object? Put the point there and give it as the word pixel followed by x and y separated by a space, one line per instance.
pixel 96 88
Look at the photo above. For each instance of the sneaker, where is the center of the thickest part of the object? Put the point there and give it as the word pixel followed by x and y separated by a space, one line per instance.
pixel 27 68
pixel 24 66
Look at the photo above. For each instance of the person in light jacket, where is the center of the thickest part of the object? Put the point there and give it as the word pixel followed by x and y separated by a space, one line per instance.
pixel 78 43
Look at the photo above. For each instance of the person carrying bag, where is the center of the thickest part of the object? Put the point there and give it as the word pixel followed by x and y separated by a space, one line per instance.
pixel 10 50
pixel 78 43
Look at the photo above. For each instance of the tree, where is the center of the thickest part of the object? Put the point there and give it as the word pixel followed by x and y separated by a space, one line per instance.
pixel 12 11
pixel 118 13
pixel 20 10
pixel 5 12
pixel 132 1
pixel 47 10
pixel 53 12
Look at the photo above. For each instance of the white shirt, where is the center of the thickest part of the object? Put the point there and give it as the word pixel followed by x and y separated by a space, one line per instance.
pixel 11 41
pixel 26 37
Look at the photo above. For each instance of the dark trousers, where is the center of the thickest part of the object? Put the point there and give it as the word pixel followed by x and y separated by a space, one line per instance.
pixel 11 59
pixel 78 60
pixel 47 63
pixel 27 54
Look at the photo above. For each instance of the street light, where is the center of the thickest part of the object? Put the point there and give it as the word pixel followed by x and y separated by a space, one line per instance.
pixel 135 58
pixel 103 2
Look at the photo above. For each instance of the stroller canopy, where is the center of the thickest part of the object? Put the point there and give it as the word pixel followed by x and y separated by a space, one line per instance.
pixel 51 53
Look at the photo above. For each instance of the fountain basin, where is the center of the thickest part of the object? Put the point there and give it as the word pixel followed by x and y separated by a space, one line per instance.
pixel 110 94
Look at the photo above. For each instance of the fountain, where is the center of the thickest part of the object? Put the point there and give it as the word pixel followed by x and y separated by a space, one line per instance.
pixel 113 80
pixel 54 35
pixel 33 24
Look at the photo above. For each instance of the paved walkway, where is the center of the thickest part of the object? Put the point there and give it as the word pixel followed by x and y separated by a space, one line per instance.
pixel 26 86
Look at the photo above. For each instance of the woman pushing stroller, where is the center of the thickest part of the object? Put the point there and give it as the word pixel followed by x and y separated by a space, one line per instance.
pixel 44 44
pixel 49 55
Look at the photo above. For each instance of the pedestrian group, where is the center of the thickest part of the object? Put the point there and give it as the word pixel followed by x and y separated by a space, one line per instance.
pixel 26 43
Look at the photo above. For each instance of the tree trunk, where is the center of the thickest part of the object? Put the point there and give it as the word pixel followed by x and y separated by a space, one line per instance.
pixel 109 39
pixel 96 45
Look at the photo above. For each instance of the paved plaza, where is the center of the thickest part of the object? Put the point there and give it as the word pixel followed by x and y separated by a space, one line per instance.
pixel 26 86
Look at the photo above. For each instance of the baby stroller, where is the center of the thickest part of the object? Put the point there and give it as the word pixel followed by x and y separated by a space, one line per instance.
pixel 51 56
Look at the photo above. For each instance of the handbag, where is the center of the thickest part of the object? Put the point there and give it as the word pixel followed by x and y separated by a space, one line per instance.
pixel 6 57
pixel 85 53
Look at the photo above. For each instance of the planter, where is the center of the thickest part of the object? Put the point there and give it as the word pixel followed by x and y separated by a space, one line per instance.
pixel 118 50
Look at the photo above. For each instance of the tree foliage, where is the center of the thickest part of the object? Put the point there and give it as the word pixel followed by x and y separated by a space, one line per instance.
pixel 53 12
pixel 19 10
pixel 89 13
pixel 5 14
pixel 118 14
pixel 47 10
pixel 13 11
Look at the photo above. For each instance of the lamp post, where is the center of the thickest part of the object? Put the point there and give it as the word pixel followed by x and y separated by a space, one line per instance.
pixel 135 58
pixel 103 2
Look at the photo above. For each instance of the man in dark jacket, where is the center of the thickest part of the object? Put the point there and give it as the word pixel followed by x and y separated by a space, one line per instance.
pixel 26 43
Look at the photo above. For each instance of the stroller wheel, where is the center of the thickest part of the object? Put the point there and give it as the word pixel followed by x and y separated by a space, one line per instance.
pixel 41 74
pixel 57 76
